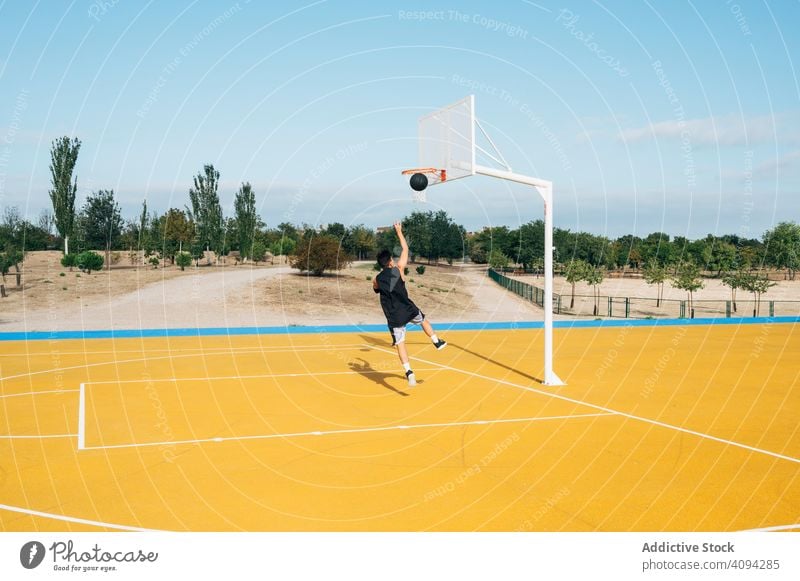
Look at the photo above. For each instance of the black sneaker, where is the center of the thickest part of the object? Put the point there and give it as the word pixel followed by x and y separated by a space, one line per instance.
pixel 412 381
pixel 440 344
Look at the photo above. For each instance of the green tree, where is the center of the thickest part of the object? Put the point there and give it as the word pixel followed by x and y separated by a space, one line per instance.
pixel 359 241
pixel 655 273
pixel 417 230
pixel 498 260
pixel 244 205
pixel 288 230
pixel 9 258
pixel 783 247
pixel 478 254
pixel 12 242
pixel 723 256
pixel 176 231
pixel 575 272
pixel 69 261
pixel 319 253
pixel 630 251
pixel 758 284
pixel 528 243
pixel 687 278
pixel 259 251
pixel 337 230
pixel 594 276
pixel 284 246
pixel 103 222
pixel 206 212
pixel 183 259
pixel 734 281
pixel 144 241
pixel 88 261
pixel 63 157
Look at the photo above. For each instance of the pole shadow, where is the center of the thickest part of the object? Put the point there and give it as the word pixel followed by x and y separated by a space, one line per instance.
pixel 494 362
pixel 381 343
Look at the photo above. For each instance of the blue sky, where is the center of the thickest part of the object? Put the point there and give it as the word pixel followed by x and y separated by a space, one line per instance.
pixel 674 116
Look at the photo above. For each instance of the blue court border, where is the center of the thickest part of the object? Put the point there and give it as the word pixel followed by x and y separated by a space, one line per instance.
pixel 324 329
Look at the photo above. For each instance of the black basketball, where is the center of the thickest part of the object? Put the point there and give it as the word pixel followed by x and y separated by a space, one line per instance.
pixel 419 181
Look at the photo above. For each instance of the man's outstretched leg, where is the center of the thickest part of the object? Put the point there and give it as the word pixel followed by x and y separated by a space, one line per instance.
pixel 438 343
pixel 403 354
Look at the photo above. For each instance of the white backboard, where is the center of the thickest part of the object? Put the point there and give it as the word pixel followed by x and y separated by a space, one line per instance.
pixel 447 139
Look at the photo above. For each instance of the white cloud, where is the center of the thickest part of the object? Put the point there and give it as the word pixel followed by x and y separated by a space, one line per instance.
pixel 785 162
pixel 723 130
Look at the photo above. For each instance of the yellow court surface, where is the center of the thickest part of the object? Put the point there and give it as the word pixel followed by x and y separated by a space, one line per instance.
pixel 661 428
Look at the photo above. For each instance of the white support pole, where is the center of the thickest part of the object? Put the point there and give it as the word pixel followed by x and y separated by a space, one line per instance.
pixel 550 377
pixel 545 189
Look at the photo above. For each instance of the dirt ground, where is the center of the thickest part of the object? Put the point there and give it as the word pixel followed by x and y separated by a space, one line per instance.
pixel 53 299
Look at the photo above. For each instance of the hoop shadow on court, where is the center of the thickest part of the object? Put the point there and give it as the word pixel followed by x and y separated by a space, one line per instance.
pixel 382 343
pixel 362 367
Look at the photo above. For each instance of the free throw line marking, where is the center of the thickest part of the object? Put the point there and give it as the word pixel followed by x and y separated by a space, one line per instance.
pixel 351 431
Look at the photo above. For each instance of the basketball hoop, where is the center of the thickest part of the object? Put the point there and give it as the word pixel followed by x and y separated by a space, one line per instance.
pixel 421 178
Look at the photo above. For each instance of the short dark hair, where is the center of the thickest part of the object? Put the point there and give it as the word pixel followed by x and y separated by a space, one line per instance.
pixel 384 257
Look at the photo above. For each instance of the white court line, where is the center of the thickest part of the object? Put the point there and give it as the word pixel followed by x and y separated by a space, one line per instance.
pixel 38 393
pixel 82 418
pixel 609 410
pixel 9 437
pixel 202 350
pixel 115 362
pixel 773 529
pixel 72 519
pixel 264 376
pixel 352 431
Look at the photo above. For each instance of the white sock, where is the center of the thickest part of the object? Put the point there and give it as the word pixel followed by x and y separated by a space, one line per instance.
pixel 406 366
pixel 434 338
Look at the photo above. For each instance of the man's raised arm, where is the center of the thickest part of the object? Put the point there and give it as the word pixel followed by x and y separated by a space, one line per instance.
pixel 401 263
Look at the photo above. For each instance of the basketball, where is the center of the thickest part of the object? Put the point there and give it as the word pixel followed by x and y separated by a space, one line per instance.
pixel 419 181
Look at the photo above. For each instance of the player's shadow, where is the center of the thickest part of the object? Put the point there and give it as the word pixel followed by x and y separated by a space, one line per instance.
pixel 363 367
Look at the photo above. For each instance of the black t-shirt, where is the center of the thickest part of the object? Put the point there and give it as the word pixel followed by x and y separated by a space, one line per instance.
pixel 397 307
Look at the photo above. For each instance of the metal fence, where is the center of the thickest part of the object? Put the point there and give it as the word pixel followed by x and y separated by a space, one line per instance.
pixel 525 290
pixel 646 308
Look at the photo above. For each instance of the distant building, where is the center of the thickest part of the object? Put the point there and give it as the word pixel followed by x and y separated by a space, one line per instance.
pixel 382 229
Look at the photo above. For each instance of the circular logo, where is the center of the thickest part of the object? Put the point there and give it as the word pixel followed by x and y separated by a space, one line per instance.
pixel 31 554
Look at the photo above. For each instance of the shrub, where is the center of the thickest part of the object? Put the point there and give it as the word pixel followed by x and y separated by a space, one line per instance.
pixel 318 254
pixel 369 277
pixel 69 260
pixel 376 267
pixel 183 259
pixel 405 270
pixel 421 269
pixel 89 261
pixel 62 274
pixel 498 260
pixel 154 261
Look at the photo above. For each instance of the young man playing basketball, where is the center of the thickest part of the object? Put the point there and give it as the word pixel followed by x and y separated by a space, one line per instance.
pixel 398 308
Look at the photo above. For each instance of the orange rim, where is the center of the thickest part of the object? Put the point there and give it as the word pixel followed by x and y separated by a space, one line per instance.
pixel 440 173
